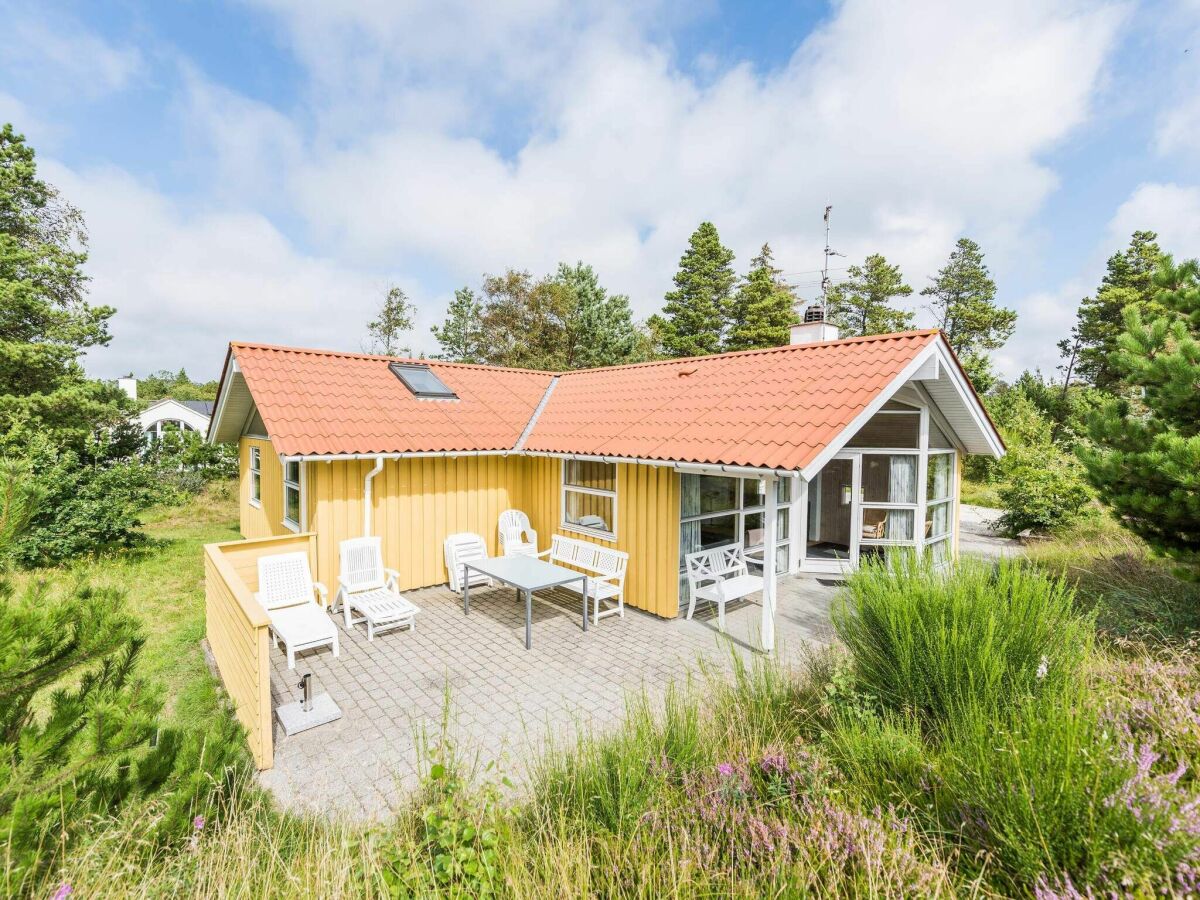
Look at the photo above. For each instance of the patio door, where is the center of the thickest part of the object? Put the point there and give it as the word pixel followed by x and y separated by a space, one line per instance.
pixel 834 517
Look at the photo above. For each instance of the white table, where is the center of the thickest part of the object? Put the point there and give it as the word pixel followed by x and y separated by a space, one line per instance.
pixel 527 575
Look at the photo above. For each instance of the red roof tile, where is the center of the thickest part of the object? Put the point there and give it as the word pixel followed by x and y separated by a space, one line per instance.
pixel 773 408
pixel 317 402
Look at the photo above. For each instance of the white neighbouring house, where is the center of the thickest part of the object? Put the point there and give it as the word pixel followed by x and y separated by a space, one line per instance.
pixel 170 415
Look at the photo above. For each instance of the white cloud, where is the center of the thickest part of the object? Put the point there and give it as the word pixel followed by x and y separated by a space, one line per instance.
pixel 71 58
pixel 916 123
pixel 184 285
pixel 1171 210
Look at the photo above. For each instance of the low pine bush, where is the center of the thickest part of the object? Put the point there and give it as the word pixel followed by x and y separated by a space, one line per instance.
pixel 936 646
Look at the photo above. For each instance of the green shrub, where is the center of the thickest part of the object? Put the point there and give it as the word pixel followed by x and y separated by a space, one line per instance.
pixel 1043 489
pixel 936 645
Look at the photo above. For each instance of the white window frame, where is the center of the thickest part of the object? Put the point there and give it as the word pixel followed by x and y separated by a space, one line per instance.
pixel 949 501
pixel 298 487
pixel 784 508
pixel 256 477
pixel 565 488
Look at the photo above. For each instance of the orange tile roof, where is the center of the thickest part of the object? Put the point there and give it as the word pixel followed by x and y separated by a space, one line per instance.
pixel 317 402
pixel 772 408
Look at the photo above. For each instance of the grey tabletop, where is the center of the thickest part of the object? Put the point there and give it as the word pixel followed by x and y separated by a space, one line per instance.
pixel 525 572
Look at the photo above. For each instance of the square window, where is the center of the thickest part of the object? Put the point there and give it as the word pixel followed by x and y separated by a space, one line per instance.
pixel 421 380
pixel 589 496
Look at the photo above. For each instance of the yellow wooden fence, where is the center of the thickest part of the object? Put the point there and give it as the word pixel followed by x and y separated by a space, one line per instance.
pixel 236 627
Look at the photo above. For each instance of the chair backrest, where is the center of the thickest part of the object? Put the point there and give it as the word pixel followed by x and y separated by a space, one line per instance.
pixel 514 527
pixel 284 579
pixel 719 562
pixel 361 564
pixel 464 547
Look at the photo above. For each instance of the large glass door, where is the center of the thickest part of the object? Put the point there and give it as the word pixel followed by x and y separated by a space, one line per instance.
pixel 832 512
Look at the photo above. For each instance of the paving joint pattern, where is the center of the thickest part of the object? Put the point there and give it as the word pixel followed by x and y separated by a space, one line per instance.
pixel 499 702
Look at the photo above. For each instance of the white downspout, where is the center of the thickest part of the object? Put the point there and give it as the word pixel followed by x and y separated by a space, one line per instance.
pixel 367 495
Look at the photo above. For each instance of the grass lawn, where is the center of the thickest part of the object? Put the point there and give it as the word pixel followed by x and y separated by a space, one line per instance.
pixel 164 585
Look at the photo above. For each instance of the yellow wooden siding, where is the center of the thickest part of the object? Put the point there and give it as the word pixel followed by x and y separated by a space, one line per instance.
pixel 416 504
pixel 266 519
pixel 647 526
pixel 236 627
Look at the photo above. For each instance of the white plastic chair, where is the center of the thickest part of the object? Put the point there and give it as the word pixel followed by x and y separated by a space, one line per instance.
pixel 718 576
pixel 286 591
pixel 517 537
pixel 466 546
pixel 366 587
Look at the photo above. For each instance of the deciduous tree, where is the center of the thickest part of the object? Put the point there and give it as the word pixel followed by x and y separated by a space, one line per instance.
pixel 385 333
pixel 45 320
pixel 862 304
pixel 761 310
pixel 963 300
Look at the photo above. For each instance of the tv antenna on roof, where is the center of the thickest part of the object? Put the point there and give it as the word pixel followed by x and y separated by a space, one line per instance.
pixel 828 253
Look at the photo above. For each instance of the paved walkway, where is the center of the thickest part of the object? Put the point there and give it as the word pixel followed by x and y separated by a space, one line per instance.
pixel 500 700
pixel 978 537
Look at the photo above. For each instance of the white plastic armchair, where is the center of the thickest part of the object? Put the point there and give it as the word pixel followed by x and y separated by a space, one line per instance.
pixel 517 537
pixel 286 591
pixel 462 548
pixel 367 588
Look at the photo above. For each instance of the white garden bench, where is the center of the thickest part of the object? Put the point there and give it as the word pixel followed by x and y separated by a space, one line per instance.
pixel 718 576
pixel 286 591
pixel 605 568
pixel 367 588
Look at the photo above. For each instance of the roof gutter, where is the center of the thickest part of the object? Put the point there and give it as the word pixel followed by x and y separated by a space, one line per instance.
pixel 686 467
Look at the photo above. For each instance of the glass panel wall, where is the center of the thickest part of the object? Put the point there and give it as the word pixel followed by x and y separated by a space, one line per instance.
pixel 717 510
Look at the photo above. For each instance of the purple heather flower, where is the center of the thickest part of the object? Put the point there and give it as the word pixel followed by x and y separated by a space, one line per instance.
pixel 198 823
pixel 725 769
pixel 64 891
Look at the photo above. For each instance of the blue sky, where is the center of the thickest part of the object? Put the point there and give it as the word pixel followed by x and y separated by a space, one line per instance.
pixel 263 170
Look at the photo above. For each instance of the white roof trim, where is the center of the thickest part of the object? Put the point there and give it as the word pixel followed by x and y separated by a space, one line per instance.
pixel 938 350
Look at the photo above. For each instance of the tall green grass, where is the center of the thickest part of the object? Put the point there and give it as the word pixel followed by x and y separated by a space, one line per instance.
pixel 936 646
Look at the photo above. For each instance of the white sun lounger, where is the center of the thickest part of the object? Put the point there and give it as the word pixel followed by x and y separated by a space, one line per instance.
pixel 367 588
pixel 286 591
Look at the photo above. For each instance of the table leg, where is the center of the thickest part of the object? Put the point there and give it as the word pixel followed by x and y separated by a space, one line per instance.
pixel 585 602
pixel 528 620
pixel 466 591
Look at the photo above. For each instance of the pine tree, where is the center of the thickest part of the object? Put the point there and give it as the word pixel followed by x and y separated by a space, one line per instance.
pixel 694 313
pixel 1128 281
pixel 963 302
pixel 384 333
pixel 1145 462
pixel 600 330
pixel 459 336
pixel 862 304
pixel 761 312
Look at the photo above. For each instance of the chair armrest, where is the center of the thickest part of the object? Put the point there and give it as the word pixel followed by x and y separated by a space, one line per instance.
pixel 392 577
pixel 532 535
pixel 543 553
pixel 323 591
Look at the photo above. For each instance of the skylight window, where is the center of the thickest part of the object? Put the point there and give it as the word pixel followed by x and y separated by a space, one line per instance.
pixel 422 382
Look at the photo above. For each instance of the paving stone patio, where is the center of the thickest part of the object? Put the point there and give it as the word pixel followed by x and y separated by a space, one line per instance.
pixel 500 701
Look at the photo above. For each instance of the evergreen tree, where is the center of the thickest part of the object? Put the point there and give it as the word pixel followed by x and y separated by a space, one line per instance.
pixel 45 320
pixel 761 312
pixel 600 327
pixel 862 304
pixel 695 311
pixel 385 332
pixel 460 335
pixel 962 300
pixel 1128 282
pixel 1145 462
